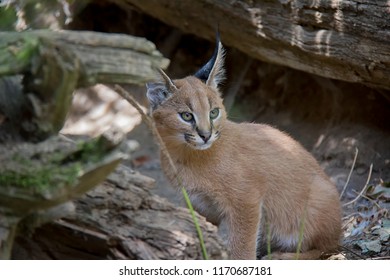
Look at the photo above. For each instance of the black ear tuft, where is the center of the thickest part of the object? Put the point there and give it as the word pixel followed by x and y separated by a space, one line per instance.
pixel 157 93
pixel 204 72
pixel 213 73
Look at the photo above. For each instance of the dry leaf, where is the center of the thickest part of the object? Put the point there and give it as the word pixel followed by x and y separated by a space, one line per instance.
pixel 379 192
pixel 370 246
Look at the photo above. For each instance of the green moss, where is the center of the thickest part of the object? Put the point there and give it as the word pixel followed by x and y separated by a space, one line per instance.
pixel 40 179
pixel 8 18
pixel 91 151
pixel 54 169
pixel 22 160
pixel 26 50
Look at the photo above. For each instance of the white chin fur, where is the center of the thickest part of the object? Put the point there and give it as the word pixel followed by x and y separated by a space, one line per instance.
pixel 203 146
pixel 198 144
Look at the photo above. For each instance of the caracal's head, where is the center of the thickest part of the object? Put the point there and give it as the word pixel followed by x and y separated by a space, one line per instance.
pixel 189 111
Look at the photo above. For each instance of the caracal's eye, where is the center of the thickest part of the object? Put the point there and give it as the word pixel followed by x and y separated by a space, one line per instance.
pixel 188 117
pixel 214 113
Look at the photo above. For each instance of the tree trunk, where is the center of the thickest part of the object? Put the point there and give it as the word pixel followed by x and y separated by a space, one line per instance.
pixel 346 40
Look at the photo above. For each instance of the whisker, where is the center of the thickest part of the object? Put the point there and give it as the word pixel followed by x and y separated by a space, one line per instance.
pixel 188 137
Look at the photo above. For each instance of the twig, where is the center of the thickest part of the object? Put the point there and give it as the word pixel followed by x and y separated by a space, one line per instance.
pixel 370 199
pixel 381 258
pixel 350 172
pixel 149 121
pixel 349 216
pixel 363 190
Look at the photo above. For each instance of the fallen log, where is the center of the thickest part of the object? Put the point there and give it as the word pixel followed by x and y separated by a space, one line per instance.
pixel 121 219
pixel 96 57
pixel 345 40
pixel 38 181
pixel 54 64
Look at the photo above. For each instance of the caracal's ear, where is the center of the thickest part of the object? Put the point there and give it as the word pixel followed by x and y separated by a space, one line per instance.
pixel 158 92
pixel 213 72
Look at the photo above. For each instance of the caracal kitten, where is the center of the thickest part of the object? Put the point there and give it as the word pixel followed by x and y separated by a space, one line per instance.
pixel 261 183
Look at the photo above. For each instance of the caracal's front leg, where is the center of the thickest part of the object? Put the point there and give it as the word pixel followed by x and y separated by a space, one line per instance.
pixel 243 223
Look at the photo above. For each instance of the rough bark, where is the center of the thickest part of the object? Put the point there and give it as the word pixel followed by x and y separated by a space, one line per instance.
pixel 54 64
pixel 346 40
pixel 120 219
pixel 38 181
pixel 96 57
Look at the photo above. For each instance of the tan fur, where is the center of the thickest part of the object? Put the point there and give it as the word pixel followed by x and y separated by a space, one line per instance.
pixel 253 178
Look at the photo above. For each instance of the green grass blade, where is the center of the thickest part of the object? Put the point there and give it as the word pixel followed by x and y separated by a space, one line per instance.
pixel 198 230
pixel 301 231
pixel 268 229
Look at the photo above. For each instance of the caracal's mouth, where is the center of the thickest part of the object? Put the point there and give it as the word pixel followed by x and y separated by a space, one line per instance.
pixel 199 146
pixel 203 146
pixel 197 143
